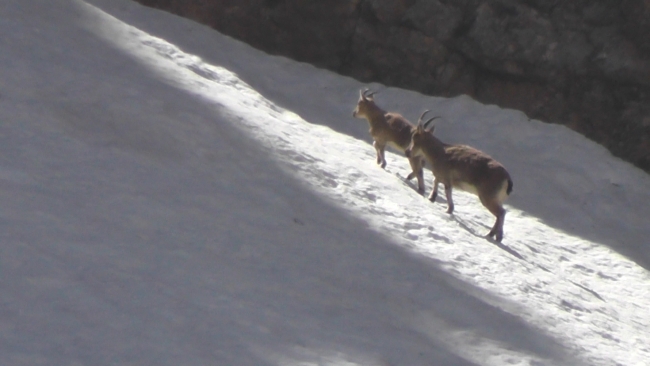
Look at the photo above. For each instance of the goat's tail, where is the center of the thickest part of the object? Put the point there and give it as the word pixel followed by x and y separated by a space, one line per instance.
pixel 510 184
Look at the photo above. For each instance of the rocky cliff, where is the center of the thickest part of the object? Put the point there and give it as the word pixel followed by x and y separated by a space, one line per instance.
pixel 583 63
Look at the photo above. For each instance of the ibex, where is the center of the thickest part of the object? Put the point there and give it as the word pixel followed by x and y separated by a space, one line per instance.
pixel 388 128
pixel 463 167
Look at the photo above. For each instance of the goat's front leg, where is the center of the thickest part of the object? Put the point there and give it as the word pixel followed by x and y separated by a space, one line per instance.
pixel 379 148
pixel 417 172
pixel 434 192
pixel 450 201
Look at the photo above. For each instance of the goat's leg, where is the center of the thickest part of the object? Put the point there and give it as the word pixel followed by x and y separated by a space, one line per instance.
pixel 379 147
pixel 420 177
pixel 375 145
pixel 450 201
pixel 417 163
pixel 434 191
pixel 416 166
pixel 497 210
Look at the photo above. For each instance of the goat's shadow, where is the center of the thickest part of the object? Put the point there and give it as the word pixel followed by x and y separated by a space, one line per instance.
pixel 464 224
pixel 514 253
pixel 501 246
pixel 411 183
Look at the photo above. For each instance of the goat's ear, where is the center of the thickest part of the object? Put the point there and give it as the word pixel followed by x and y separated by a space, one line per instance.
pixel 430 129
pixel 361 94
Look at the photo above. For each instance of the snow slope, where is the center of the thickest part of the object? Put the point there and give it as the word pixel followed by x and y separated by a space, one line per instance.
pixel 170 196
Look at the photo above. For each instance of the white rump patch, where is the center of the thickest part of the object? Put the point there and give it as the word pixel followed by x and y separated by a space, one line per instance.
pixel 466 187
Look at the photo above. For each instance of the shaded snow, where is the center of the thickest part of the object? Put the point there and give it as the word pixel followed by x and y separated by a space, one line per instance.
pixel 171 196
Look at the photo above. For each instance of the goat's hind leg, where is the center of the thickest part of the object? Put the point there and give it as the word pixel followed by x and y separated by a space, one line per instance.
pixel 497 210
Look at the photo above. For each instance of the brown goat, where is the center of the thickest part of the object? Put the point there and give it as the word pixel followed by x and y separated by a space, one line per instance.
pixel 387 128
pixel 466 168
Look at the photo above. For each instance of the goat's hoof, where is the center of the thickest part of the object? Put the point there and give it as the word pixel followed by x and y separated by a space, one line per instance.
pixel 496 235
pixel 432 198
pixel 410 176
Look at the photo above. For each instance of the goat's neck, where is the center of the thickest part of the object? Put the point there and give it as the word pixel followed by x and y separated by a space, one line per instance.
pixel 376 116
pixel 433 148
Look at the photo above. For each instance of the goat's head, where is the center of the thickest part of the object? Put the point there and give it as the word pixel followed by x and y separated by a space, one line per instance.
pixel 365 103
pixel 419 135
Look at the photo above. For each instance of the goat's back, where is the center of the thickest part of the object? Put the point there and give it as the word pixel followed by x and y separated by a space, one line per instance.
pixel 469 166
pixel 400 129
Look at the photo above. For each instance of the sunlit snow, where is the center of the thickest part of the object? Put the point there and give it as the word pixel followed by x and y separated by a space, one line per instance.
pixel 170 196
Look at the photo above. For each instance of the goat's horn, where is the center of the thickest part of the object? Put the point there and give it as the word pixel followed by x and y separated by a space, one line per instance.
pixel 422 116
pixel 368 95
pixel 429 121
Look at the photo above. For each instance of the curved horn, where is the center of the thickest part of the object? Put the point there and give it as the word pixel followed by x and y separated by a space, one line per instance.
pixel 366 95
pixel 429 121
pixel 422 116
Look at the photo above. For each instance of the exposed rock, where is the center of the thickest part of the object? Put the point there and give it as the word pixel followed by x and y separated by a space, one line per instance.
pixel 583 63
pixel 434 19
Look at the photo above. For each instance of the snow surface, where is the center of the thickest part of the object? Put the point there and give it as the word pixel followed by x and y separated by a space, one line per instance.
pixel 170 196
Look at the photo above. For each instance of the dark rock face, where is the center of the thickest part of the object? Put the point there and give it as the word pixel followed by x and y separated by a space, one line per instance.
pixel 583 63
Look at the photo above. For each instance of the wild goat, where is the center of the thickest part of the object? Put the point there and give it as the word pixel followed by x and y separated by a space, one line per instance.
pixel 463 167
pixel 388 128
